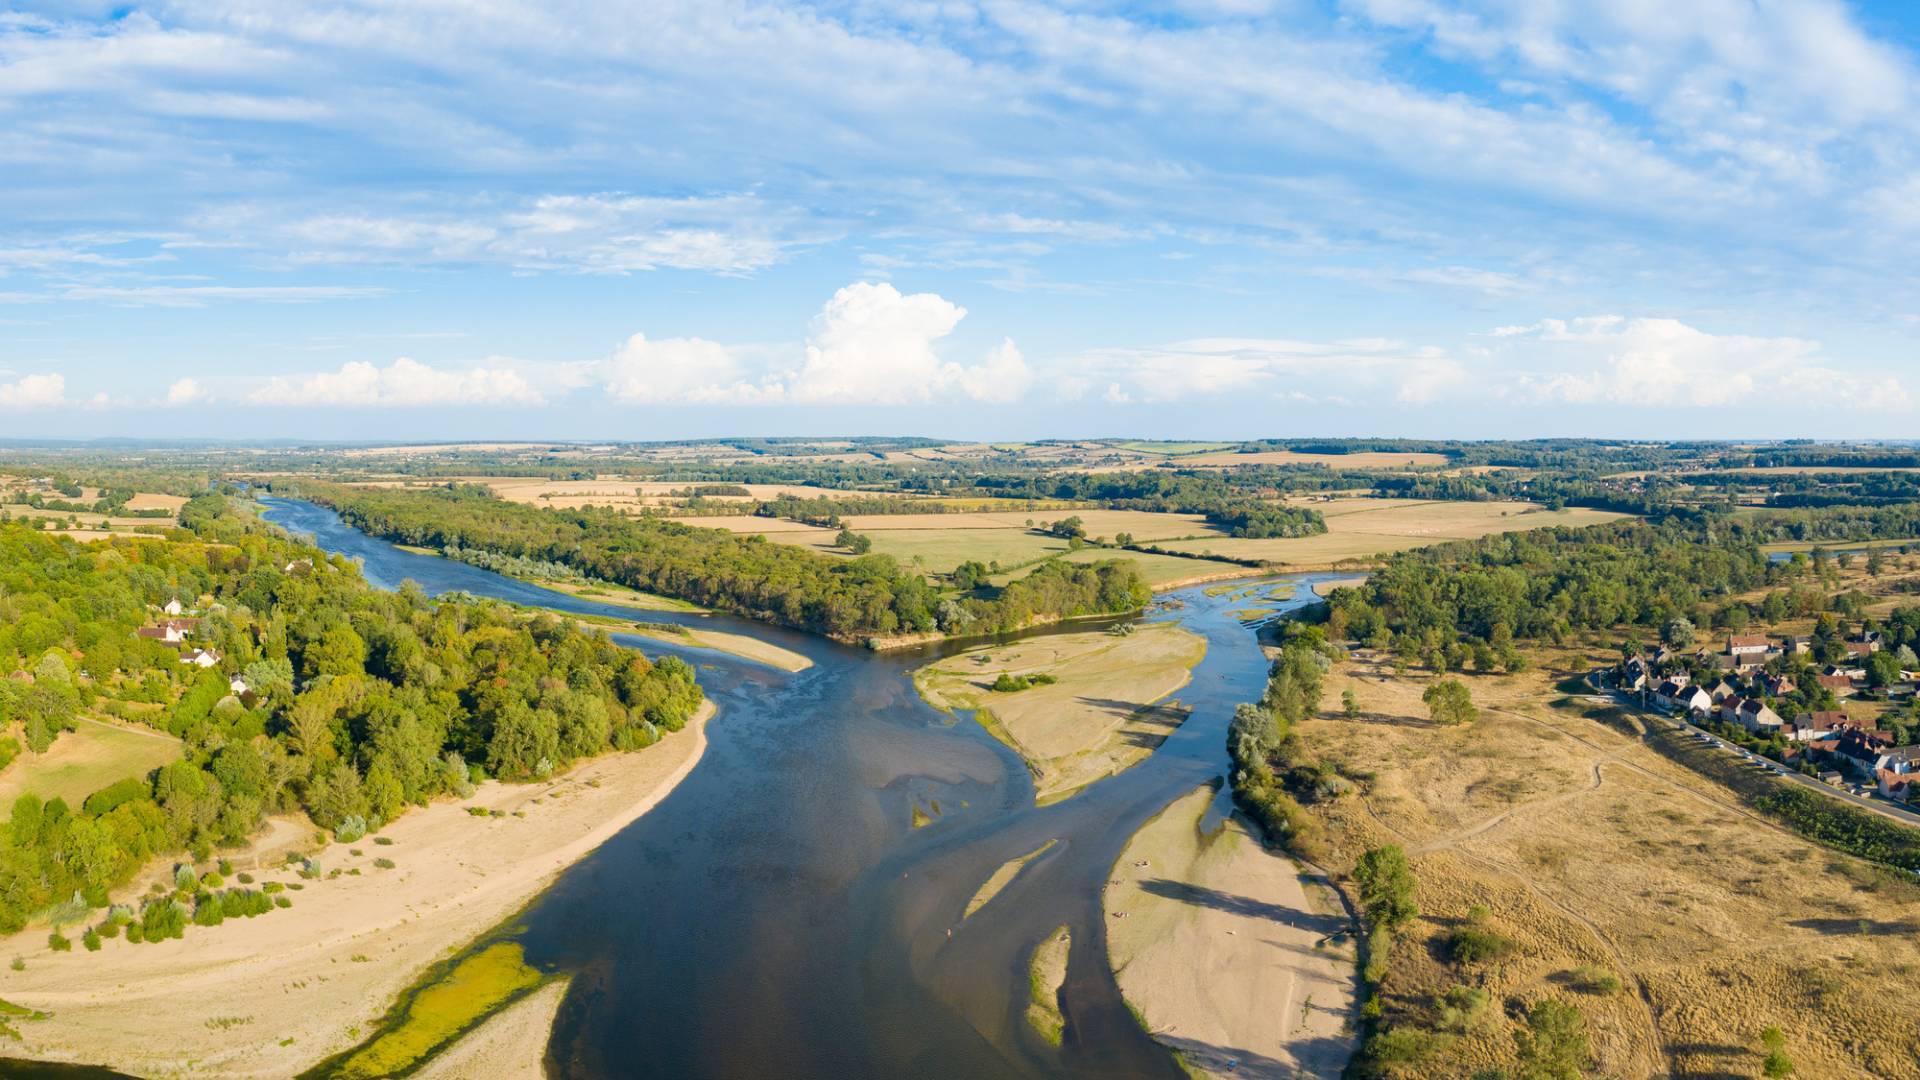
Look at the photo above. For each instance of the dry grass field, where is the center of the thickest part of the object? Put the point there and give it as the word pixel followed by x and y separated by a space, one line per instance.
pixel 1101 716
pixel 84 760
pixel 1595 853
pixel 1363 528
pixel 1376 460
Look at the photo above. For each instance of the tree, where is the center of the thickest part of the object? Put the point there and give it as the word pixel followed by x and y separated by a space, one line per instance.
pixel 1349 705
pixel 1450 703
pixel 1678 632
pixel 1385 881
pixel 1883 669
pixel 1554 1045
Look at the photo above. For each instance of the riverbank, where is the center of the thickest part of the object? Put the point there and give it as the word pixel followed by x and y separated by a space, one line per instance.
pixel 272 996
pixel 744 646
pixel 1219 948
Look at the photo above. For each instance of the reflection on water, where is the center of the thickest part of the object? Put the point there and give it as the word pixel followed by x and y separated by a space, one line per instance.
pixel 777 915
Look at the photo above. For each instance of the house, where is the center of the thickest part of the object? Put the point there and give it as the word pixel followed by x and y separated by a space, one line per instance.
pixel 1857 650
pixel 1754 715
pixel 299 566
pixel 238 686
pixel 1814 726
pixel 1841 685
pixel 1672 695
pixel 173 607
pixel 1774 685
pixel 1896 787
pixel 1798 645
pixel 1721 691
pixel 170 631
pixel 204 658
pixel 1861 752
pixel 1749 644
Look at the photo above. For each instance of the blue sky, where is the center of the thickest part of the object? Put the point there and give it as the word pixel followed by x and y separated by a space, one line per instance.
pixel 1225 218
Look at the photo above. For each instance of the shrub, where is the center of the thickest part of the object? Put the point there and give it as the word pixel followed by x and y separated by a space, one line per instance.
pixel 245 879
pixel 226 867
pixel 184 877
pixel 282 902
pixel 1477 945
pixel 384 864
pixel 135 934
pixel 1593 979
pixel 383 841
pixel 211 880
pixel 108 929
pixel 351 828
pixel 1462 1008
pixel 58 942
pixel 271 887
pixel 91 939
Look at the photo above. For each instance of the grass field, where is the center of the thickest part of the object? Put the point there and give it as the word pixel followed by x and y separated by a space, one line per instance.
pixel 1174 449
pixel 1101 715
pixel 84 760
pixel 1597 857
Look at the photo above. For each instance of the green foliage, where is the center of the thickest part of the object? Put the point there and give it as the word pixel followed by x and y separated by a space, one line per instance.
pixel 849 599
pixel 1009 683
pixel 58 942
pixel 1384 879
pixel 364 702
pixel 1593 979
pixel 1554 1045
pixel 91 939
pixel 1449 703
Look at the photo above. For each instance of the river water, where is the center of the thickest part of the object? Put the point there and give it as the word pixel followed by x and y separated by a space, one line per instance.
pixel 778 916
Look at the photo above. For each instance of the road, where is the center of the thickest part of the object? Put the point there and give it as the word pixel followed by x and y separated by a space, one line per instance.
pixel 1876 805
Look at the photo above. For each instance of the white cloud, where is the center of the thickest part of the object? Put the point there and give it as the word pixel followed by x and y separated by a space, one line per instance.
pixel 200 295
pixel 1250 368
pixel 34 392
pixel 404 383
pixel 1664 363
pixel 871 345
pixel 691 370
pixel 185 392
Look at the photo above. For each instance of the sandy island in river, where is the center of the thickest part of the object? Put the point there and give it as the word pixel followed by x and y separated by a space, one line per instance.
pixel 272 996
pixel 1217 944
pixel 1101 715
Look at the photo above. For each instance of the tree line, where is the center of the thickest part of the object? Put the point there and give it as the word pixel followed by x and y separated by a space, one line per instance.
pixel 857 599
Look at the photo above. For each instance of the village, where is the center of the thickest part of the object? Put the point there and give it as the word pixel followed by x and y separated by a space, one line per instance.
pixel 1773 697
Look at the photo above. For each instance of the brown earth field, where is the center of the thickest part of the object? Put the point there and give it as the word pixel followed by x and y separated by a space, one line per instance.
pixel 1598 855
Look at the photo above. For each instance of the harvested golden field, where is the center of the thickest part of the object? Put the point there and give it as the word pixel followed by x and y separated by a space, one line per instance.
pixel 1369 460
pixel 1099 717
pixel 1597 856
pixel 1362 528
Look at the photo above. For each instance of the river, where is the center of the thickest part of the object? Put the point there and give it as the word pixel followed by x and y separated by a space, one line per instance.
pixel 777 915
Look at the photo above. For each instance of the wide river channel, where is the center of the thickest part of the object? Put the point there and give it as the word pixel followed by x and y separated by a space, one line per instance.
pixel 778 915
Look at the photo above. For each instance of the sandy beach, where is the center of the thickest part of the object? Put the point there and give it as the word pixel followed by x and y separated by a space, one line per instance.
pixel 1216 942
pixel 274 995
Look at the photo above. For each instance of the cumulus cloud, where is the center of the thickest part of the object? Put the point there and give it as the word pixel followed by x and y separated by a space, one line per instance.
pixel 692 370
pixel 186 392
pixel 1667 363
pixel 869 345
pixel 34 392
pixel 404 383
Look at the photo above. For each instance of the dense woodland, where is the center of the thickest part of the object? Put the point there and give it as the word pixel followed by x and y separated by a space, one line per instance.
pixel 849 599
pixel 358 704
